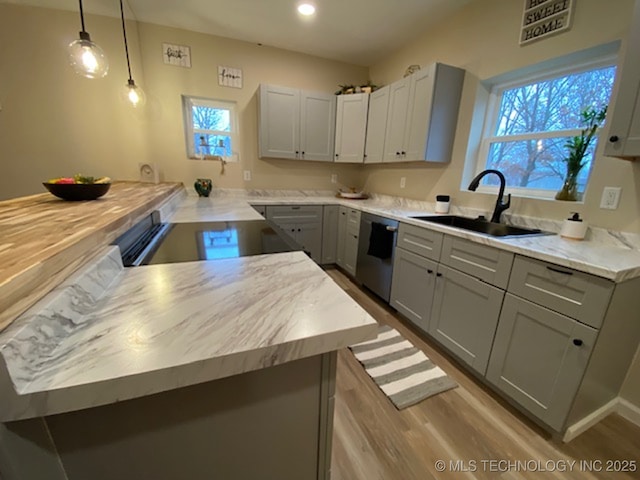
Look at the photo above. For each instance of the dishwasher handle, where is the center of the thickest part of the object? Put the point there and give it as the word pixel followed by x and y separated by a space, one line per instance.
pixel 392 229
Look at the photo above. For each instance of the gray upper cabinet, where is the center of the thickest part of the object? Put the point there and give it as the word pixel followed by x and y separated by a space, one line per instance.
pixel 351 127
pixel 422 115
pixel 539 358
pixel 376 125
pixel 464 316
pixel 296 124
pixel 624 130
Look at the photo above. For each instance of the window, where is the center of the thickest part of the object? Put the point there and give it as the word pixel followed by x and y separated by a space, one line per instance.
pixel 210 128
pixel 530 120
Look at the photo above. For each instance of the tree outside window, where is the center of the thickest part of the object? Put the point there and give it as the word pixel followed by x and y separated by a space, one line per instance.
pixel 533 120
pixel 210 128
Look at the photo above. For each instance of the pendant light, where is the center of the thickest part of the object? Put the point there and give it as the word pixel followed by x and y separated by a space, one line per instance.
pixel 132 92
pixel 87 58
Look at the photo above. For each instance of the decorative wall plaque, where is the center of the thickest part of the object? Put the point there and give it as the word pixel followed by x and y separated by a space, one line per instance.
pixel 229 77
pixel 179 55
pixel 542 18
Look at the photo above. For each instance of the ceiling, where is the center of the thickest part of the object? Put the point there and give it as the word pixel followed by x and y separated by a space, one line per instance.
pixel 360 32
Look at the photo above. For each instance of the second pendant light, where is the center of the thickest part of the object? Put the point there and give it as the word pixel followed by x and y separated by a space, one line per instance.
pixel 131 92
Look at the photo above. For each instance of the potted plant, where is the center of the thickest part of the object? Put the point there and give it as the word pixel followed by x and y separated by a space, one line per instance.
pixel 577 148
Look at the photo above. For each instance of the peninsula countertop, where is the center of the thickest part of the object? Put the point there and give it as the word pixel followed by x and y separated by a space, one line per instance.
pixel 44 239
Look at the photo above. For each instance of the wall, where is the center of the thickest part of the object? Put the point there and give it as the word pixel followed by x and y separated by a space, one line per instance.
pixel 56 123
pixel 482 38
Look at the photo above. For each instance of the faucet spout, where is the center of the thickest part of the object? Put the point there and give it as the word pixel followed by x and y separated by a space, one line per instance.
pixel 501 205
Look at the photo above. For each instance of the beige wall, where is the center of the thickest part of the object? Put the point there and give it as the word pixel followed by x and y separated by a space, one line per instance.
pixel 54 122
pixel 483 39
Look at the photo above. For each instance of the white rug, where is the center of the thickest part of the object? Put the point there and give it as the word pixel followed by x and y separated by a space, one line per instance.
pixel 402 372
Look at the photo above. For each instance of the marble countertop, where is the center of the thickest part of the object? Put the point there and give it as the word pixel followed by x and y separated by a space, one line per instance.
pixel 44 239
pixel 607 254
pixel 109 333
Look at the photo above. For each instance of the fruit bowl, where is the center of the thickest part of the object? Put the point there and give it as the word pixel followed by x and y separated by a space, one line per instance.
pixel 77 191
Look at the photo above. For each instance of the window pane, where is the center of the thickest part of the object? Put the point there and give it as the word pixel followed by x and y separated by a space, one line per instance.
pixel 208 118
pixel 212 145
pixel 535 163
pixel 553 104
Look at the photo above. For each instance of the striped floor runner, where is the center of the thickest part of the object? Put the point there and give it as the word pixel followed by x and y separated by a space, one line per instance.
pixel 402 372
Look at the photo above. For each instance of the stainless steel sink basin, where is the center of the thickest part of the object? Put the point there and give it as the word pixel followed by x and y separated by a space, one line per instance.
pixel 480 225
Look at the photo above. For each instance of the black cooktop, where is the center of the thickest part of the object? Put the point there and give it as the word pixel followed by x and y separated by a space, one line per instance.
pixel 186 242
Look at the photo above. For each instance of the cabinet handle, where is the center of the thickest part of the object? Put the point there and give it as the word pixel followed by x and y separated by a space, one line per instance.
pixel 392 229
pixel 299 229
pixel 614 138
pixel 438 274
pixel 397 153
pixel 297 152
pixel 577 342
pixel 403 153
pixel 297 207
pixel 429 271
pixel 557 270
pixel 302 153
pixel 337 155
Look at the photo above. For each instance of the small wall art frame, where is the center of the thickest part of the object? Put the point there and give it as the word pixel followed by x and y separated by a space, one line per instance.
pixel 229 76
pixel 179 55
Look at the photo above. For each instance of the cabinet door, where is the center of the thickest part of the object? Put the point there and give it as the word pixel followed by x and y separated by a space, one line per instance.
pixel 539 358
pixel 624 132
pixel 279 121
pixel 376 125
pixel 317 126
pixel 419 113
pixel 309 237
pixel 396 121
pixel 412 286
pixel 351 127
pixel 351 252
pixel 342 236
pixel 464 316
pixel 330 233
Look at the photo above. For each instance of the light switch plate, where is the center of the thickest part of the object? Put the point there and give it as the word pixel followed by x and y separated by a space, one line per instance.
pixel 149 172
pixel 334 178
pixel 403 182
pixel 247 175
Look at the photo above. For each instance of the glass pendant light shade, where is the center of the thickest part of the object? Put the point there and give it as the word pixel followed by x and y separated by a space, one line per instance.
pixel 87 58
pixel 133 94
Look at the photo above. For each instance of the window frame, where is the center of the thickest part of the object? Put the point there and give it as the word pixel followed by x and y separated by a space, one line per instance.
pixel 493 109
pixel 190 101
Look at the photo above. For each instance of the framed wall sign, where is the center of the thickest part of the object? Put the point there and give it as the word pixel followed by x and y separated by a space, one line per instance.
pixel 542 18
pixel 229 77
pixel 179 55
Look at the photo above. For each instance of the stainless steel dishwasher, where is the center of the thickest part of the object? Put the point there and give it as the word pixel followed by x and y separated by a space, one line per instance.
pixel 376 245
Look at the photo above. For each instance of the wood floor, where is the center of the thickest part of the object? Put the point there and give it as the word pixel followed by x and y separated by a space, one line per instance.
pixel 469 428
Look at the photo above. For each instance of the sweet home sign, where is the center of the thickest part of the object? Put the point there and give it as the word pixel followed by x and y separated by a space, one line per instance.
pixel 542 18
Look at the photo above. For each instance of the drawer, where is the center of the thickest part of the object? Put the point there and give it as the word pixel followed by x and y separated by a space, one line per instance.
pixel 294 213
pixel 421 241
pixel 486 263
pixel 576 294
pixel 353 221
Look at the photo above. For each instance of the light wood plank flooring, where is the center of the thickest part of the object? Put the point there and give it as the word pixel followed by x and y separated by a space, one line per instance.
pixel 374 441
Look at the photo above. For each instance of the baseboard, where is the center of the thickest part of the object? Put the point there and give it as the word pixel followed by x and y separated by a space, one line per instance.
pixel 590 420
pixel 629 411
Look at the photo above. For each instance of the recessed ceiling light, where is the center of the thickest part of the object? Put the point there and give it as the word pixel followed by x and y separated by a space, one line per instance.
pixel 306 9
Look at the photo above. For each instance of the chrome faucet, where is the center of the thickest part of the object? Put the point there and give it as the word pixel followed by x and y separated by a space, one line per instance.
pixel 500 205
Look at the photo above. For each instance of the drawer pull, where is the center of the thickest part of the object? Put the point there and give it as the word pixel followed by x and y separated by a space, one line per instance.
pixel 438 274
pixel 429 271
pixel 295 208
pixel 577 342
pixel 557 270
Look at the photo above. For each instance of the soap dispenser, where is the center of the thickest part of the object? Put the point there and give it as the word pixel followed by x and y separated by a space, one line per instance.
pixel 573 227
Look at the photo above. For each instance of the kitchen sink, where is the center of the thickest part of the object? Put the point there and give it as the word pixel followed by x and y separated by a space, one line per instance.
pixel 480 225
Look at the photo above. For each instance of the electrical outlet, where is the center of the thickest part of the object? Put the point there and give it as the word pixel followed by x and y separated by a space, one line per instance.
pixel 247 175
pixel 334 178
pixel 403 182
pixel 610 198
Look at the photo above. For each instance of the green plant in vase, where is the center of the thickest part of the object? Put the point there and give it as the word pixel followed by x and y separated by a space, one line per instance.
pixel 577 147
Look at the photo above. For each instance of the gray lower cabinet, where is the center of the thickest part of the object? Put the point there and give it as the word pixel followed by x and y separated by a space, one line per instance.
pixel 330 233
pixel 303 223
pixel 412 286
pixel 539 358
pixel 464 316
pixel 347 242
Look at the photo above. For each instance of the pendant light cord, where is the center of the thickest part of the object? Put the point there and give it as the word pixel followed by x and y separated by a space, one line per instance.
pixel 81 15
pixel 124 33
